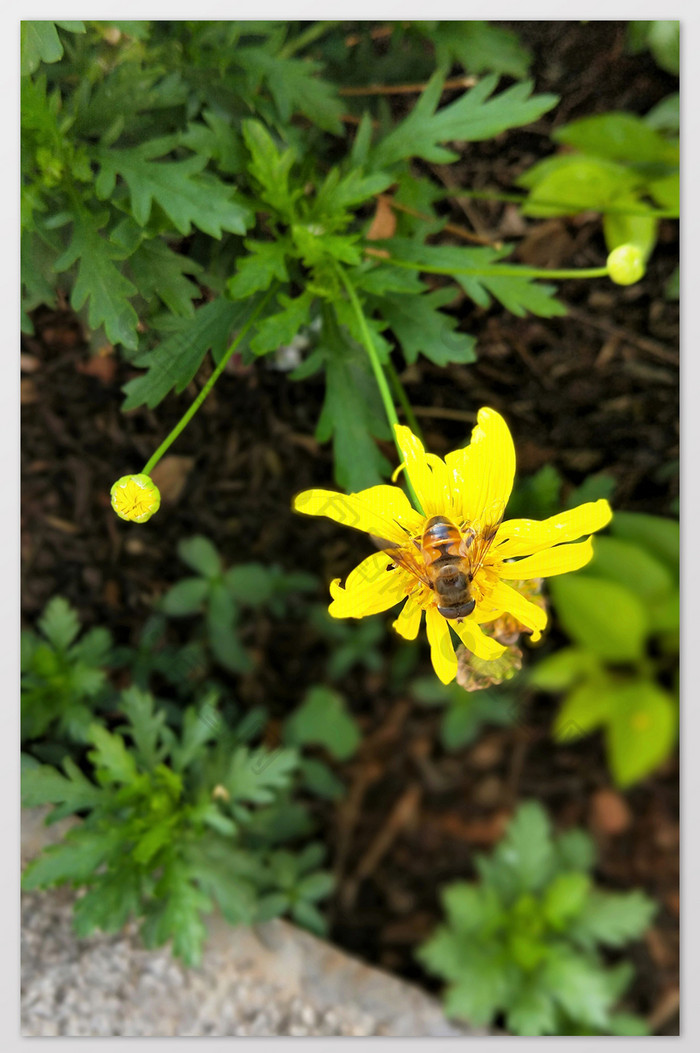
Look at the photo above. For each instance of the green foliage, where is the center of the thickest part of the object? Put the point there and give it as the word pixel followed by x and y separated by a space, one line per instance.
pixel 63 677
pixel 220 596
pixel 466 712
pixel 621 612
pixel 525 940
pixel 661 37
pixel 166 163
pixel 323 719
pixel 173 824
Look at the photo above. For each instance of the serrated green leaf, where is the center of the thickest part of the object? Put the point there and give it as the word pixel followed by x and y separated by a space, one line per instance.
pixel 580 988
pixel 421 328
pixel 532 1012
pixel 59 623
pixel 108 905
pixel 612 918
pixel 270 168
pixel 39 43
pixel 527 847
pixel 576 850
pixel 296 88
pixel 617 136
pixel 472 908
pixel 112 760
pixel 199 726
pixel 175 361
pixel 75 859
pixel 479 47
pixel 279 329
pixel 186 195
pixel 258 775
pixel 176 913
pixel 159 271
pixel 601 615
pixel 471 118
pixel 565 898
pixel 45 785
pixel 571 183
pixel 99 280
pixel 147 726
pixel 257 271
pixel 323 719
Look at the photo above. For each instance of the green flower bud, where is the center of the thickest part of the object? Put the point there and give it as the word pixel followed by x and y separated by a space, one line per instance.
pixel 135 498
pixel 626 264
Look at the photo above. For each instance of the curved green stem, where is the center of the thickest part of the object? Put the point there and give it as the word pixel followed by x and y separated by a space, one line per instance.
pixel 401 395
pixel 504 271
pixel 379 375
pixel 187 417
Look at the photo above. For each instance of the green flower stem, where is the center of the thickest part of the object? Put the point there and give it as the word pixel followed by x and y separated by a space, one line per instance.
pixel 187 417
pixel 315 30
pixel 402 397
pixel 378 374
pixel 495 272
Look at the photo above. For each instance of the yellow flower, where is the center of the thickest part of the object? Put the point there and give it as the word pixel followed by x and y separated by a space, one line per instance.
pixel 135 497
pixel 470 488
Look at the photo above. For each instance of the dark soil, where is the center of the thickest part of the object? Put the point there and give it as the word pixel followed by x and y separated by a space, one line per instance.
pixel 596 390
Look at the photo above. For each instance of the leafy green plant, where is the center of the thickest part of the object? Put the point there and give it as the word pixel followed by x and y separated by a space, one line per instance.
pixel 174 823
pixel 466 713
pixel 621 674
pixel 220 595
pixel 525 941
pixel 63 677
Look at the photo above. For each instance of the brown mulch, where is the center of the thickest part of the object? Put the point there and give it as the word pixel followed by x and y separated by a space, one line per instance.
pixel 596 390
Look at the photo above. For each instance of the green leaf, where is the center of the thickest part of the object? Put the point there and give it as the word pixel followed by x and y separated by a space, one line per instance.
pixel 580 988
pixel 45 785
pixel 662 37
pixel 486 984
pixel 316 886
pixel 307 915
pixel 258 270
pixel 201 555
pixel 176 360
pixel 617 136
pixel 250 583
pixel 421 328
pixel 39 43
pixel 576 850
pixel 279 329
pixel 320 780
pixel 471 118
pixel 258 775
pixel 295 88
pixel 226 645
pixel 562 669
pixel 601 615
pixel 185 597
pixel 472 908
pixel 665 116
pixel 479 47
pixel 75 859
pixel 620 229
pixel 270 168
pixel 112 760
pixel 114 897
pixel 340 192
pixel 158 271
pixel 660 536
pixel 470 711
pixel 612 918
pixel 565 898
pixel 59 623
pixel 631 566
pixel 323 719
pixel 352 412
pixel 186 195
pixel 147 726
pixel 533 1012
pixel 199 726
pixel 176 913
pixel 572 183
pixel 585 708
pixel 641 730
pixel 592 488
pixel 527 847
pixel 99 280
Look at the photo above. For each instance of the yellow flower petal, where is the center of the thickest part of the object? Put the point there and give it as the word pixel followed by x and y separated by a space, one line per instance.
pixel 512 602
pixel 484 470
pixel 478 642
pixel 370 588
pixel 522 537
pixel 551 561
pixel 381 510
pixel 427 472
pixel 408 622
pixel 442 652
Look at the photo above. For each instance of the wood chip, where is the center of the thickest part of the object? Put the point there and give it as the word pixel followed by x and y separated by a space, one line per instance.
pixel 170 476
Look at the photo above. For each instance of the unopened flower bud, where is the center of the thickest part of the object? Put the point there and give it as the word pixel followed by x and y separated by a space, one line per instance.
pixel 135 498
pixel 626 264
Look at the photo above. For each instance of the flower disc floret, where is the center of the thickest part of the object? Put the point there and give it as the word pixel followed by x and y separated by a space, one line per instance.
pixel 470 487
pixel 135 498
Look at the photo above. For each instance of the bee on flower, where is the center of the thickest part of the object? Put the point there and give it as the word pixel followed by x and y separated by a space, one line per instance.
pixel 455 558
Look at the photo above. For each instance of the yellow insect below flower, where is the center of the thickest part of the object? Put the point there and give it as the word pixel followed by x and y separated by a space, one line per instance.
pixel 455 558
pixel 135 498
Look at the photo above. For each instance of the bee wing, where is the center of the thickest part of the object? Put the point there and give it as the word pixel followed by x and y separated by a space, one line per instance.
pixel 403 557
pixel 479 535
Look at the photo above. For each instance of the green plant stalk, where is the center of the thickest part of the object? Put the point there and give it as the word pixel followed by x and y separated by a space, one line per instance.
pixel 379 375
pixel 400 393
pixel 495 272
pixel 187 417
